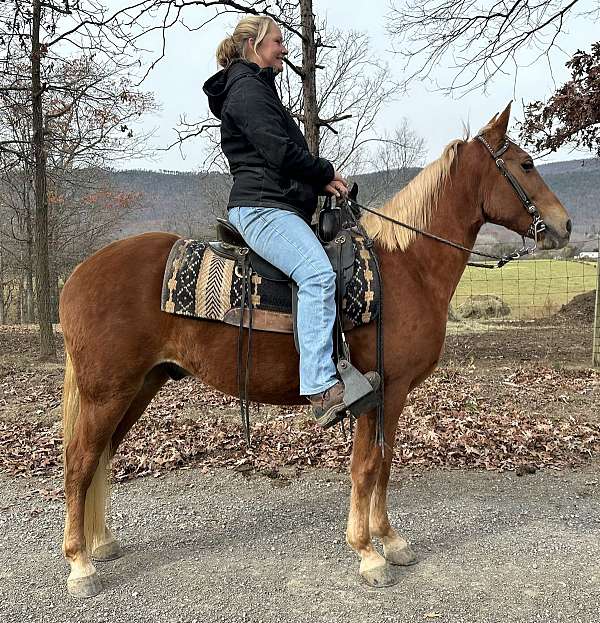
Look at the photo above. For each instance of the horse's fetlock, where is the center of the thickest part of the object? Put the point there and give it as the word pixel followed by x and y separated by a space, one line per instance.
pixel 380 532
pixel 72 549
pixel 358 543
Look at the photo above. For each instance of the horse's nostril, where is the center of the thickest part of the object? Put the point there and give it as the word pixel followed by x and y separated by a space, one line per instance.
pixel 569 226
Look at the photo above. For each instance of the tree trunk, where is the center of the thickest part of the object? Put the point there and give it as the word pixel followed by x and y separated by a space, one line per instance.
pixel 2 310
pixel 20 300
pixel 42 280
pixel 29 298
pixel 309 78
pixel 54 293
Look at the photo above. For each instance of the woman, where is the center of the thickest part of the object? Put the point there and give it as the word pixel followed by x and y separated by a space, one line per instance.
pixel 276 181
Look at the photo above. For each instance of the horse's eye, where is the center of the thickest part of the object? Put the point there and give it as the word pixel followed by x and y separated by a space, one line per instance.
pixel 527 165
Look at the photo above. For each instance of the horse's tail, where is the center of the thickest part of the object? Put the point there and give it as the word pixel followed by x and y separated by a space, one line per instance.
pixel 97 493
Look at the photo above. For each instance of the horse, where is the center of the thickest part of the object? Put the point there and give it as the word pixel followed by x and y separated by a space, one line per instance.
pixel 121 348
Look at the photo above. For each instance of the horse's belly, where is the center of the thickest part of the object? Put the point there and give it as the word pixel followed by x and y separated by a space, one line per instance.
pixel 273 363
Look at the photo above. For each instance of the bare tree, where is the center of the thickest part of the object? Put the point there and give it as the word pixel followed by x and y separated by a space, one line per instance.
pixel 478 42
pixel 352 88
pixel 16 230
pixel 395 162
pixel 37 36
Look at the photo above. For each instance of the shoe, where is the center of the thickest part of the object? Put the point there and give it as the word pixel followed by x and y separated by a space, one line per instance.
pixel 329 407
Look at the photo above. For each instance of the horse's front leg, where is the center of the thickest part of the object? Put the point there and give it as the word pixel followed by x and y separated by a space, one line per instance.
pixel 365 467
pixel 396 549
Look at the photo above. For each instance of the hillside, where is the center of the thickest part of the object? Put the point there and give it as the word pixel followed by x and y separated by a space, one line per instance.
pixel 579 190
pixel 188 202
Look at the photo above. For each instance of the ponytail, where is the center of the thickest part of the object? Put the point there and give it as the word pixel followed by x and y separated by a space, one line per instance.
pixel 227 52
pixel 234 47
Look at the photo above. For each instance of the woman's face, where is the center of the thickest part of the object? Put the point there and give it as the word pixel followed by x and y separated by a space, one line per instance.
pixel 270 50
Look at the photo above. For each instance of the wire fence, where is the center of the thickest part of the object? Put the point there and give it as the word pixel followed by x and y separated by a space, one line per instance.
pixel 525 290
pixel 534 295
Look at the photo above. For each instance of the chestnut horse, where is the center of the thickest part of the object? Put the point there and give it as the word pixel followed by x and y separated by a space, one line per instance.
pixel 119 344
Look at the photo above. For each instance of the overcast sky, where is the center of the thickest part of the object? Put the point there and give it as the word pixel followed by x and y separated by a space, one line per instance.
pixel 177 83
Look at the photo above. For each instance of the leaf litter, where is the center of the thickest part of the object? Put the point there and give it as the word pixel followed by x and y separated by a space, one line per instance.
pixel 508 418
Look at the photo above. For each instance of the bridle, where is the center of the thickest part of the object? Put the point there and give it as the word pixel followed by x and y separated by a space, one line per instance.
pixel 537 225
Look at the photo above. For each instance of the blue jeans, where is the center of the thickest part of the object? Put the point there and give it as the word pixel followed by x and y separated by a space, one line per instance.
pixel 285 240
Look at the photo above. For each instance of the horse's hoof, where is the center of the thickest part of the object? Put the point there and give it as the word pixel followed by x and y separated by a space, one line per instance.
pixel 379 576
pixel 87 586
pixel 403 556
pixel 107 551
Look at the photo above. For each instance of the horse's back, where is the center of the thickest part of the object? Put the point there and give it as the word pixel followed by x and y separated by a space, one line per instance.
pixel 116 288
pixel 118 260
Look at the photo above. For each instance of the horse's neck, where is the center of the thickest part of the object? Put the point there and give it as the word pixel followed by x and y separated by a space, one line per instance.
pixel 456 218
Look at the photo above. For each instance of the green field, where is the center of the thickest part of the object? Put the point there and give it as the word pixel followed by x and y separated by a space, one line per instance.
pixel 531 288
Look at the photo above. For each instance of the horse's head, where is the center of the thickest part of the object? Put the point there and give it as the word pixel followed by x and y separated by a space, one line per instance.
pixel 514 191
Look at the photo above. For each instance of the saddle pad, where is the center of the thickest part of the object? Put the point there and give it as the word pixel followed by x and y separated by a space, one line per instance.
pixel 202 284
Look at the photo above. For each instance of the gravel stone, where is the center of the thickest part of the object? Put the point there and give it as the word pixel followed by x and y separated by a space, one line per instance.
pixel 225 546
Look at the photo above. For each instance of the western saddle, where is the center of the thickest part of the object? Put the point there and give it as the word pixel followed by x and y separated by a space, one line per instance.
pixel 334 230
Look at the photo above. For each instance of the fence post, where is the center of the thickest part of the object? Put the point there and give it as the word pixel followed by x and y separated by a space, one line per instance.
pixel 596 349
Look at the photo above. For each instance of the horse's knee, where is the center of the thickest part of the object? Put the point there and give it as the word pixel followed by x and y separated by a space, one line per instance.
pixel 365 472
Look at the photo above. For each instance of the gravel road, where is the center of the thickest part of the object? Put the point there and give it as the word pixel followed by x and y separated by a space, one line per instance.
pixel 224 546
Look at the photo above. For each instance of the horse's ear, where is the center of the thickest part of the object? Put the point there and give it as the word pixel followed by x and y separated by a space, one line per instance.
pixel 491 121
pixel 497 129
pixel 503 119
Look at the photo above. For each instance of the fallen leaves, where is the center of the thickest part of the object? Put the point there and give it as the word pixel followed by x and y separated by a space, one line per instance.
pixel 512 418
pixel 450 422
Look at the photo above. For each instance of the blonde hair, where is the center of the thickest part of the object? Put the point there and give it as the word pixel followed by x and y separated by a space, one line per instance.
pixel 414 204
pixel 253 27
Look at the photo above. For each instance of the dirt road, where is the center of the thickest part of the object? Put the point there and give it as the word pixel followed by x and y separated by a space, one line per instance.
pixel 221 546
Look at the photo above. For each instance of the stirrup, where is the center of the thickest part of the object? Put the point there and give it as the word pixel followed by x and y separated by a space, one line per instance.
pixel 359 395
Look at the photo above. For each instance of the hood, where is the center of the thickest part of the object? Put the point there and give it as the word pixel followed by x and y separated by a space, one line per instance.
pixel 217 86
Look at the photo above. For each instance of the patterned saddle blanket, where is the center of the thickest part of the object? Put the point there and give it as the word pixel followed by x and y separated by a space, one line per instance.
pixel 200 282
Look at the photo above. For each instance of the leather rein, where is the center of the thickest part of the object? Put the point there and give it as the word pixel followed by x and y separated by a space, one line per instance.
pixel 537 225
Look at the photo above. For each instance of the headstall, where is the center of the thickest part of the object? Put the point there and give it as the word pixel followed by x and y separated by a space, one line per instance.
pixel 537 225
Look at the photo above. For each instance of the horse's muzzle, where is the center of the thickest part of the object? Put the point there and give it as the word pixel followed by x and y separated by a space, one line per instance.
pixel 553 239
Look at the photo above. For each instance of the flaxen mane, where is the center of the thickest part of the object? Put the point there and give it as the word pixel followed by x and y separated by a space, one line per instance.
pixel 414 204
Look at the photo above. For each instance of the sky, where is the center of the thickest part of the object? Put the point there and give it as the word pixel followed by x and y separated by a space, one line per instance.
pixel 436 117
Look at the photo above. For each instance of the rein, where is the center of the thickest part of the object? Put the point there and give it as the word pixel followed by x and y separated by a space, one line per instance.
pixel 537 226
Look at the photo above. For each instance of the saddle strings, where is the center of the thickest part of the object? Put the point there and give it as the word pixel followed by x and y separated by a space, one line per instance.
pixel 243 378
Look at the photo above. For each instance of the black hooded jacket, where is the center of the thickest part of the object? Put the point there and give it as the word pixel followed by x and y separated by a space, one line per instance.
pixel 267 153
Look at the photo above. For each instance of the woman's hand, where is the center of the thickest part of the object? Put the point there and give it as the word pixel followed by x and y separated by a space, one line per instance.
pixel 337 187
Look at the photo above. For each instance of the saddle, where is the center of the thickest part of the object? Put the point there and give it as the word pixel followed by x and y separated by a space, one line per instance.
pixel 226 281
pixel 231 245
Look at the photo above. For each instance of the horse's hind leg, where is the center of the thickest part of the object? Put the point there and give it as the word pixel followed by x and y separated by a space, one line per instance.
pixel 86 458
pixel 107 547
